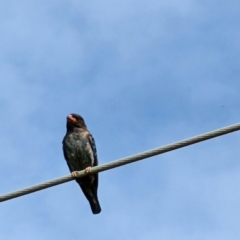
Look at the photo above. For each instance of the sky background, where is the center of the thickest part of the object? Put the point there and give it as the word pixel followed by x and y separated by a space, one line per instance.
pixel 142 74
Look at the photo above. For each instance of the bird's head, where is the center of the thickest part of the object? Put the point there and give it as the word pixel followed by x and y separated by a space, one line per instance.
pixel 75 120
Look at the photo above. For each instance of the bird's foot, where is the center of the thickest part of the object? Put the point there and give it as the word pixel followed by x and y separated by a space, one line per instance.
pixel 74 174
pixel 88 170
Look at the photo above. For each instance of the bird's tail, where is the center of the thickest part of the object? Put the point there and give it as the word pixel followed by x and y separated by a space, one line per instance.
pixel 95 206
pixel 90 193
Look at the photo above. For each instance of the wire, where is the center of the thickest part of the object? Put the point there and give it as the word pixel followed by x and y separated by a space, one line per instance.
pixel 123 161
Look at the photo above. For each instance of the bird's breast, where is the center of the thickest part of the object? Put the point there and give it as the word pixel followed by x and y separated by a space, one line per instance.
pixel 76 148
pixel 74 141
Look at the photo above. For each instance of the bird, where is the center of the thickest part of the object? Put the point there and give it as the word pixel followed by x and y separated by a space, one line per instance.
pixel 80 153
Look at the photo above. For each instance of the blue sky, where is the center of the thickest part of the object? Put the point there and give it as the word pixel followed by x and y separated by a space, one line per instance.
pixel 142 74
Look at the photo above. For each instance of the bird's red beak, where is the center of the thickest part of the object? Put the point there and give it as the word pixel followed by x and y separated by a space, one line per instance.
pixel 70 118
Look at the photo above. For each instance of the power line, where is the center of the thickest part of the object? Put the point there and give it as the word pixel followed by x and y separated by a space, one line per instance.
pixel 123 161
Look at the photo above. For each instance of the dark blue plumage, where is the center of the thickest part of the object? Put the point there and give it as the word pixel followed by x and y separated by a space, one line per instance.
pixel 80 153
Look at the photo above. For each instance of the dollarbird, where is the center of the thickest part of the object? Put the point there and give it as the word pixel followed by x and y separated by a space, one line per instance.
pixel 80 153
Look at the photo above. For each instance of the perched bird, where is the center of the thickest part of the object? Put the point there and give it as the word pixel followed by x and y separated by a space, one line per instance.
pixel 80 153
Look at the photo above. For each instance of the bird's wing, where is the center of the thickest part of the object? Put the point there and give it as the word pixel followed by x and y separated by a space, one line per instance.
pixel 94 149
pixel 69 159
pixel 75 156
pixel 95 159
